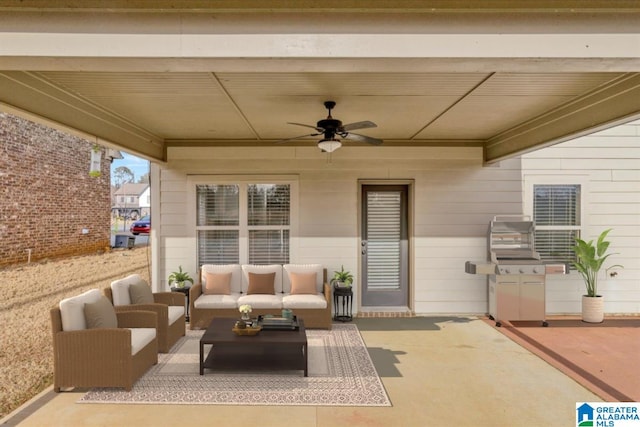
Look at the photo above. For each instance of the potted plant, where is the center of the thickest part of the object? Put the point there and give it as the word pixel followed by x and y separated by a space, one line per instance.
pixel 590 258
pixel 342 279
pixel 179 278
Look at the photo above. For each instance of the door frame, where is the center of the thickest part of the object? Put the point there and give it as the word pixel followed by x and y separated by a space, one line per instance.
pixel 410 184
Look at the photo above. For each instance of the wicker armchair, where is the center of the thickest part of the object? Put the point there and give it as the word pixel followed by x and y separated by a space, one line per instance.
pixel 101 357
pixel 169 306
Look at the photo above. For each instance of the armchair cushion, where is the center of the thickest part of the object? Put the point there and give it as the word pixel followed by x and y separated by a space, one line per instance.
pixel 140 337
pixel 174 313
pixel 303 283
pixel 140 293
pixel 120 289
pixel 261 283
pixel 217 283
pixel 72 310
pixel 100 314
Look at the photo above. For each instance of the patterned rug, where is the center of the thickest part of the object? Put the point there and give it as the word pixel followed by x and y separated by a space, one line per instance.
pixel 341 373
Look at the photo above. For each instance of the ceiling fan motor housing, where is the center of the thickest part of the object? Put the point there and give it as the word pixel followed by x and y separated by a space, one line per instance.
pixel 330 126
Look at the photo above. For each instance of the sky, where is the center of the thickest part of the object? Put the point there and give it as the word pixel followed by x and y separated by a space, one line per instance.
pixel 137 165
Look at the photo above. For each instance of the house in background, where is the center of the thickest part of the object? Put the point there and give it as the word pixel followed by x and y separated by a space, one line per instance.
pixel 130 201
pixel 144 201
pixel 477 105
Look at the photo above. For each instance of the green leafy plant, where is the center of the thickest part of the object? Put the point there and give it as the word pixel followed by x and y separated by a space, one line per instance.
pixel 179 278
pixel 589 260
pixel 342 277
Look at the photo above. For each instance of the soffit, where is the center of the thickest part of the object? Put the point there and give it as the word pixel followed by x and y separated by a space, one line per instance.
pixel 177 85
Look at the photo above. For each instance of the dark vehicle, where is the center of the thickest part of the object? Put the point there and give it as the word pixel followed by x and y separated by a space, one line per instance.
pixel 143 225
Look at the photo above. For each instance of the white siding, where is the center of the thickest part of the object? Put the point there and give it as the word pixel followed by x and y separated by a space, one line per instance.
pixel 609 163
pixel 454 199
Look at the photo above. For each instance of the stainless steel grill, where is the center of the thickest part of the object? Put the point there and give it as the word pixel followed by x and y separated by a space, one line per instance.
pixel 516 274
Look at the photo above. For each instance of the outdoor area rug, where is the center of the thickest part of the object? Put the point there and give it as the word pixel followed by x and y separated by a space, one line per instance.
pixel 341 373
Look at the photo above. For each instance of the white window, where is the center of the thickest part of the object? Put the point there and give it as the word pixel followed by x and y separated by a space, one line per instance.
pixel 243 223
pixel 557 216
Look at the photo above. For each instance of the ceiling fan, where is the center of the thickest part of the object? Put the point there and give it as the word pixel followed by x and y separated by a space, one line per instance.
pixel 332 130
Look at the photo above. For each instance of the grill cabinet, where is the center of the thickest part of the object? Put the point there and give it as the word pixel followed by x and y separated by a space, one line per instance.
pixel 516 279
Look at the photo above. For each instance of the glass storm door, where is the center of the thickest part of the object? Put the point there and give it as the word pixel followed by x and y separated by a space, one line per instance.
pixel 384 245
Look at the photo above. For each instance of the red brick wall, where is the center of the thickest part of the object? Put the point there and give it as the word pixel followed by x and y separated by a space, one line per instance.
pixel 46 194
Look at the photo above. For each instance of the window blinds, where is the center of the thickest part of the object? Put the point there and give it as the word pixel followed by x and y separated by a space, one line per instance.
pixel 556 212
pixel 384 213
pixel 259 227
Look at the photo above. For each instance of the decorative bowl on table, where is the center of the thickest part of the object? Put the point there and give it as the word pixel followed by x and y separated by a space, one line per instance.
pixel 248 330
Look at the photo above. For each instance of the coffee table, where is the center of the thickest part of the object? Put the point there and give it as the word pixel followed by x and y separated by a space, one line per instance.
pixel 268 350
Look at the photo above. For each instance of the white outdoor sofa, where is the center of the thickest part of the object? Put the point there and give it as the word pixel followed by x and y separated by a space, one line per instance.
pixel 311 305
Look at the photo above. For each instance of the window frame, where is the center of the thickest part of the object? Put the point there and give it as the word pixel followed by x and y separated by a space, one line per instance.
pixel 243 182
pixel 530 181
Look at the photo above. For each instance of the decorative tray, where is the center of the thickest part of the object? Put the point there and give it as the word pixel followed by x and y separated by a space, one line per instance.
pixel 249 330
pixel 269 322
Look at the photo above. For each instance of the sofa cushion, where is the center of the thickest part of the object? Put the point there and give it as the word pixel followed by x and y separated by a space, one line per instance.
pixel 72 310
pixel 140 293
pixel 140 337
pixel 217 301
pixel 217 283
pixel 100 314
pixel 174 312
pixel 235 270
pixel 261 283
pixel 120 289
pixel 303 283
pixel 304 301
pixel 303 268
pixel 261 301
pixel 262 269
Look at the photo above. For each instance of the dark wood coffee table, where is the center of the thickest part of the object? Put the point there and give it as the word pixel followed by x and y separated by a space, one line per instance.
pixel 268 350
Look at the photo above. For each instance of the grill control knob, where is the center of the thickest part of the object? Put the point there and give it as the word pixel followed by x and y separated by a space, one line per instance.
pixel 521 271
pixel 535 270
pixel 506 271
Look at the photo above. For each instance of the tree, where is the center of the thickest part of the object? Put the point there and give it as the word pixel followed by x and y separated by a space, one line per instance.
pixel 144 179
pixel 122 175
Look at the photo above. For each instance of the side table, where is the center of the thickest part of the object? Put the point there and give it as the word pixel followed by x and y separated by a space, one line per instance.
pixel 184 291
pixel 342 304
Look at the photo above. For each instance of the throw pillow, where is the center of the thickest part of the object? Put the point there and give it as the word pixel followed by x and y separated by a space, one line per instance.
pixel 100 314
pixel 217 283
pixel 140 293
pixel 261 283
pixel 303 283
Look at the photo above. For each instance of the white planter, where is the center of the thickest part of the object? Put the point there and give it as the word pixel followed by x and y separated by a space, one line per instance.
pixel 592 309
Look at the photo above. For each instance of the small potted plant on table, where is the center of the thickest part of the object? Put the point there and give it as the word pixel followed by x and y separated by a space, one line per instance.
pixel 342 279
pixel 179 278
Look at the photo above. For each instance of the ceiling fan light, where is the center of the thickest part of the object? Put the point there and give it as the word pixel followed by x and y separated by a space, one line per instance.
pixel 329 145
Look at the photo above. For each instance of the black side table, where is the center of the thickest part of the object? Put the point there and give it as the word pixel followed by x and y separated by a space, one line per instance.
pixel 184 291
pixel 342 304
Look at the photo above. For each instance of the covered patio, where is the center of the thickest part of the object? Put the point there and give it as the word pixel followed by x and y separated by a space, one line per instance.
pixel 436 371
pixel 457 94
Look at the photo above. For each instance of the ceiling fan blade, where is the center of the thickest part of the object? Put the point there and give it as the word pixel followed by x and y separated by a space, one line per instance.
pixel 363 138
pixel 359 125
pixel 307 126
pixel 297 137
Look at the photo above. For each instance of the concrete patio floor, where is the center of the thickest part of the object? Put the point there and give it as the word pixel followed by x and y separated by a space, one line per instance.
pixel 438 371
